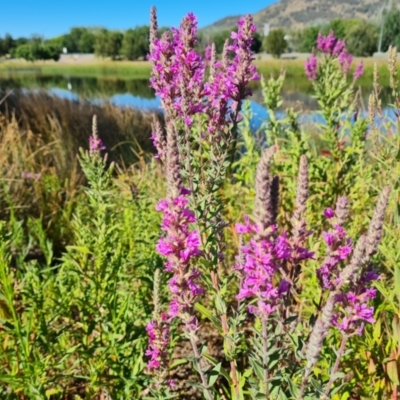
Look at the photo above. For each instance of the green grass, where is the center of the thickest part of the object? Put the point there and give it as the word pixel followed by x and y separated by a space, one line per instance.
pixel 142 69
pixel 117 70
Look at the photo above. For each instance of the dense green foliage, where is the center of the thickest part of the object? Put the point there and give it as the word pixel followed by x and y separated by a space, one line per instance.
pixel 275 43
pixel 73 312
pixel 391 31
pixel 362 39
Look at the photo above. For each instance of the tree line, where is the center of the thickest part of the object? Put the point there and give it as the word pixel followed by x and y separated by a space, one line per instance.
pixel 362 39
pixel 132 44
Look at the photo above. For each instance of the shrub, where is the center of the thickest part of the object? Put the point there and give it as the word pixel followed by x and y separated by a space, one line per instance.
pixel 275 43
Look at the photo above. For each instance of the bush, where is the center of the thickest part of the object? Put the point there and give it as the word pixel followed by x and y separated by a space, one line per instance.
pixel 391 31
pixel 362 39
pixel 275 43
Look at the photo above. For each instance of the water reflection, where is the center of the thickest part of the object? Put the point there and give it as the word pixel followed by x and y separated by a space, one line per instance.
pixel 296 93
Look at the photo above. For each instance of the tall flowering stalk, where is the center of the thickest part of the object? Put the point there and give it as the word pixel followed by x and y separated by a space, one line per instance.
pixel 349 287
pixel 266 264
pixel 333 91
pixel 158 331
pixel 201 118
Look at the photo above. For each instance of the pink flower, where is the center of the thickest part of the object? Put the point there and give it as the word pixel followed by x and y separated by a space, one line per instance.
pixel 311 66
pixel 359 70
pixel 329 213
pixel 96 144
pixel 345 60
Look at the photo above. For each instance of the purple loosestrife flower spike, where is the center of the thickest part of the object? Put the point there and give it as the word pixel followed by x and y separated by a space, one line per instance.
pixel 345 60
pixel 158 139
pixel 158 333
pixel 374 235
pixel 275 198
pixel 173 167
pixel 342 210
pixel 153 26
pixel 95 143
pixel 319 333
pixel 311 67
pixel 242 68
pixel 339 245
pixel 263 204
pixel 359 71
pixel 298 220
pixel 213 59
pixel 188 69
pixel 180 246
pixel 357 260
pixel 163 77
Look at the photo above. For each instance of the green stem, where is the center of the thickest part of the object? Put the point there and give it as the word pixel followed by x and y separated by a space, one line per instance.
pixel 265 354
pixel 197 362
pixel 336 366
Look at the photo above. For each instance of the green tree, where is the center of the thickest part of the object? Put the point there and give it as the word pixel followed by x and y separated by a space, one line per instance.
pixel 308 38
pixel 100 44
pixel 7 44
pixel 219 39
pixel 391 31
pixel 275 43
pixel 135 43
pixel 338 26
pixel 256 46
pixel 36 51
pixel 114 43
pixel 362 39
pixel 24 51
pixel 86 42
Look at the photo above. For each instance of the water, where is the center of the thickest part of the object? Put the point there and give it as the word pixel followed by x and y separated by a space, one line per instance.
pixel 296 93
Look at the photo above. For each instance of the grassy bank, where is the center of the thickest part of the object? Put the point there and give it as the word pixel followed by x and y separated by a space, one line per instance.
pixel 109 69
pixel 141 69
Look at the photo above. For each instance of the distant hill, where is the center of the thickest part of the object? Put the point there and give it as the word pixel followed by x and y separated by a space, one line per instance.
pixel 292 14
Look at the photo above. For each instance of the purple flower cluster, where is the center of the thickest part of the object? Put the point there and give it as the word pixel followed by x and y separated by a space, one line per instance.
pixel 158 333
pixel 96 144
pixel 339 248
pixel 353 309
pixel 261 261
pixel 331 46
pixel 31 175
pixel 311 67
pixel 180 245
pixel 178 74
pixel 359 70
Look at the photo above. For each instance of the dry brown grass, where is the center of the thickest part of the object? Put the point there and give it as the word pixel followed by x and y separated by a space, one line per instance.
pixel 40 136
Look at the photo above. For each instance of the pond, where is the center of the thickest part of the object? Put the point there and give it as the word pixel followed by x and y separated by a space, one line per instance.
pixel 296 93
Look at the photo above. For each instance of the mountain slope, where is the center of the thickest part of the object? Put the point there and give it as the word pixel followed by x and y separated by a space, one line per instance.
pixel 293 14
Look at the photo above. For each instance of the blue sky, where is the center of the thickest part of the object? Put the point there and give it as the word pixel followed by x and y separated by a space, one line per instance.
pixel 54 17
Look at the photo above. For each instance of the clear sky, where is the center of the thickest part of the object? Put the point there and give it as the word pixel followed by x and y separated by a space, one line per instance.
pixel 51 18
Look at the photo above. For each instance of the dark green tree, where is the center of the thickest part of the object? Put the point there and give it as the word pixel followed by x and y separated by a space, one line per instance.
pixel 135 43
pixel 308 39
pixel 219 39
pixel 362 39
pixel 71 39
pixel 275 43
pixel 114 43
pixel 391 31
pixel 24 51
pixel 256 46
pixel 86 42
pixel 7 44
pixel 100 44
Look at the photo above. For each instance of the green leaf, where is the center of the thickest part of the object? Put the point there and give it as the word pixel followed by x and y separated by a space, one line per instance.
pixel 214 374
pixel 206 313
pixel 80 249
